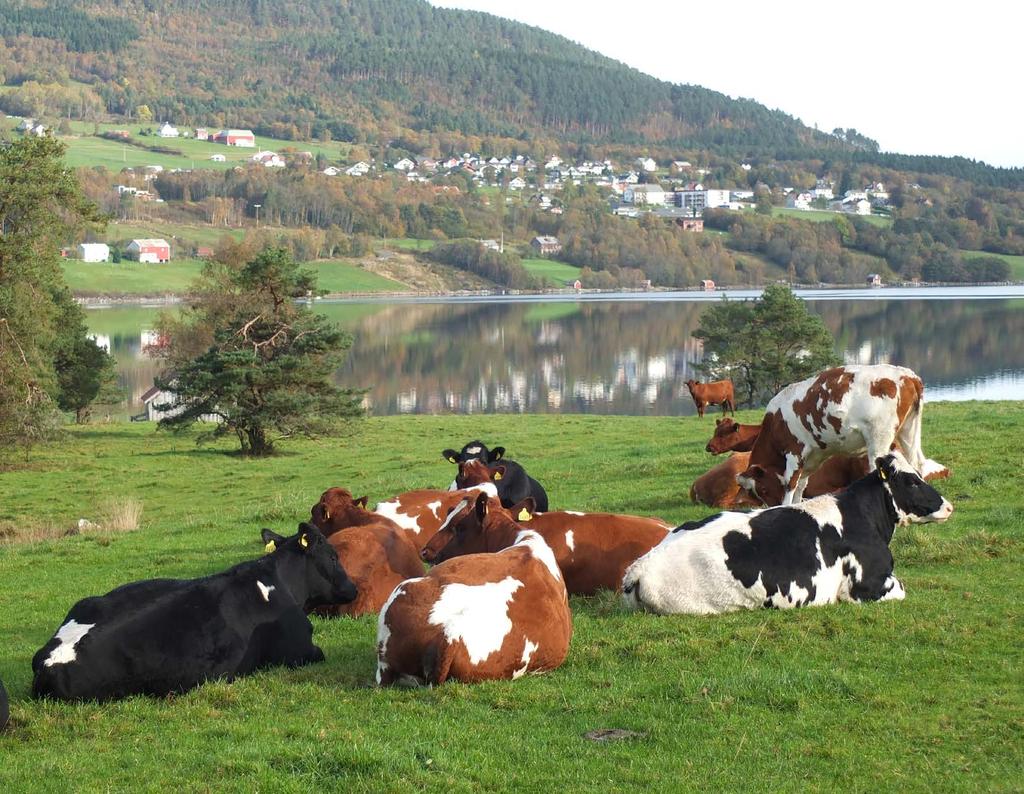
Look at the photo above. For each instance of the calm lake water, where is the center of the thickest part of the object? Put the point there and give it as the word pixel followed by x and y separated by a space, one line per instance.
pixel 620 353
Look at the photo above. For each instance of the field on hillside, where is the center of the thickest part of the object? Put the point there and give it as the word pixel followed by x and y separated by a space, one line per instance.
pixel 87 150
pixel 91 279
pixel 557 274
pixel 1016 263
pixel 820 216
pixel 906 696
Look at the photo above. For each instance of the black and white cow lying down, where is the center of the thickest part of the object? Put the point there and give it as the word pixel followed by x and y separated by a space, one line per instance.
pixel 160 636
pixel 513 483
pixel 821 551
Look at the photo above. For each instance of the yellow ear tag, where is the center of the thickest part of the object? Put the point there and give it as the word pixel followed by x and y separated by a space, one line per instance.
pixel 881 473
pixel 270 547
pixel 524 515
pixel 327 514
pixel 497 475
pixel 304 541
pixel 451 459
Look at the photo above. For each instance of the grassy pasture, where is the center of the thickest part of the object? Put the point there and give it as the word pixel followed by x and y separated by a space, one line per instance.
pixel 556 273
pixel 130 278
pixel 823 216
pixel 909 696
pixel 1016 263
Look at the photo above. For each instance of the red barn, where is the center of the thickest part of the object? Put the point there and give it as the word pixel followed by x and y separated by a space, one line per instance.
pixel 235 138
pixel 149 250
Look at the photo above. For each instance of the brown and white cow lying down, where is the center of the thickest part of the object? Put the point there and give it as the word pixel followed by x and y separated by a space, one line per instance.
pixel 718 392
pixel 592 550
pixel 478 617
pixel 718 487
pixel 821 551
pixel 422 512
pixel 375 552
pixel 852 410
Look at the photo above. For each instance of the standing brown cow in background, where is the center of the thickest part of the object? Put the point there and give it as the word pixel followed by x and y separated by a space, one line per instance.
pixel 717 392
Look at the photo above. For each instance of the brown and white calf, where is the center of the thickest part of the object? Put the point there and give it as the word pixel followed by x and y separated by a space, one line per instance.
pixel 479 617
pixel 421 513
pixel 852 409
pixel 592 550
pixel 731 436
pixel 718 392
pixel 376 558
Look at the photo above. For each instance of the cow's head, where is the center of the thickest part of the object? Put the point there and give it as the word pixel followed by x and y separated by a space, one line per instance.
pixel 725 436
pixel 914 500
pixel 476 472
pixel 461 532
pixel 309 567
pixel 474 450
pixel 765 487
pixel 337 510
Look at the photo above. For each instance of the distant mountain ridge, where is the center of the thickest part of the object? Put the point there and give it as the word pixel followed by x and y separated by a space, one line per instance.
pixel 362 67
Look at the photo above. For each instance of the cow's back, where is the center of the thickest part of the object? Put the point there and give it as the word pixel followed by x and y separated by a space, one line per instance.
pixel 717 487
pixel 376 558
pixel 593 550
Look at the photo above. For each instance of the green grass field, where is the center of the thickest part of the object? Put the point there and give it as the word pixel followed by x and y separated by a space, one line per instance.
pixel 918 695
pixel 339 275
pixel 177 234
pixel 821 216
pixel 1016 263
pixel 557 274
pixel 91 279
pixel 87 150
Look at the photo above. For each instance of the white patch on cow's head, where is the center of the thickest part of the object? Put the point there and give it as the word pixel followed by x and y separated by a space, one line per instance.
pixel 476 615
pixel 569 540
pixel 393 510
pixel 529 648
pixel 824 510
pixel 265 590
pixel 540 549
pixel 69 635
pixel 453 513
pixel 474 450
pixel 488 488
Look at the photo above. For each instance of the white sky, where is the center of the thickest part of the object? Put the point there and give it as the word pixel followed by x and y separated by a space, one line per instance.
pixel 919 77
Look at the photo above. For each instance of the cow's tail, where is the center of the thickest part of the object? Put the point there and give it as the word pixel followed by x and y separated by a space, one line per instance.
pixel 437 661
pixel 909 434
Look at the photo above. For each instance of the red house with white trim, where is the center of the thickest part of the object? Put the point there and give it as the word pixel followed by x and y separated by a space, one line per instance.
pixel 235 138
pixel 149 250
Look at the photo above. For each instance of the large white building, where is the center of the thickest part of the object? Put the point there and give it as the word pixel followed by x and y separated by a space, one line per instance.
pixel 698 200
pixel 650 195
pixel 94 252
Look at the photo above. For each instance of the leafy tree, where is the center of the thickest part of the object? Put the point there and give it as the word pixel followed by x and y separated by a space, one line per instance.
pixel 248 354
pixel 84 370
pixel 42 329
pixel 764 344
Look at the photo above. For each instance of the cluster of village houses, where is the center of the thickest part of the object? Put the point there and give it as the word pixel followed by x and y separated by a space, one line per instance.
pixel 677 195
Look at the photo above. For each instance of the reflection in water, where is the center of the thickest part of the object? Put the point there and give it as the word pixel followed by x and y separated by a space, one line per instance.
pixel 615 357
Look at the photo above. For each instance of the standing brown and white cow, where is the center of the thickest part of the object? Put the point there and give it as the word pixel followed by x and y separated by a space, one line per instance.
pixel 852 409
pixel 479 617
pixel 592 550
pixel 718 392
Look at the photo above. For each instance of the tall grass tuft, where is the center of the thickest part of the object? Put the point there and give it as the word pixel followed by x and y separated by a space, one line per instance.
pixel 122 515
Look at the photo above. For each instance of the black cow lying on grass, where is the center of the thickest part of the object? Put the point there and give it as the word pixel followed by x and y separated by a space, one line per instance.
pixel 160 636
pixel 820 551
pixel 4 710
pixel 513 483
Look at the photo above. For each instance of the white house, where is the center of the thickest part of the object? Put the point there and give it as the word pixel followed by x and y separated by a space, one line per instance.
pixel 359 169
pixel 331 171
pixel 269 159
pixel 168 130
pixel 647 164
pixel 857 207
pixel 518 183
pixel 218 158
pixel 94 252
pixel 650 195
pixel 405 164
pixel 799 201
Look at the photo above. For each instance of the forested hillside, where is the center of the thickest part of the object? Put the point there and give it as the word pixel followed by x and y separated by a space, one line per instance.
pixel 359 70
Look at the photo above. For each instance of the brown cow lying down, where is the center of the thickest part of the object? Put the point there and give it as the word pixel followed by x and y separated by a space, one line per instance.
pixel 375 552
pixel 731 435
pixel 718 486
pixel 422 512
pixel 592 550
pixel 478 617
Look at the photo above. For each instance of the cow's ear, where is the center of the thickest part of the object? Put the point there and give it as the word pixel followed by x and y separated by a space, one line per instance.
pixel 718 422
pixel 450 455
pixel 361 502
pixel 481 506
pixel 756 472
pixel 498 473
pixel 497 453
pixel 308 535
pixel 524 509
pixel 271 540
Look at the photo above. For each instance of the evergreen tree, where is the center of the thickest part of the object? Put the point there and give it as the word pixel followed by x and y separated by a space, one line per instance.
pixel 251 356
pixel 764 344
